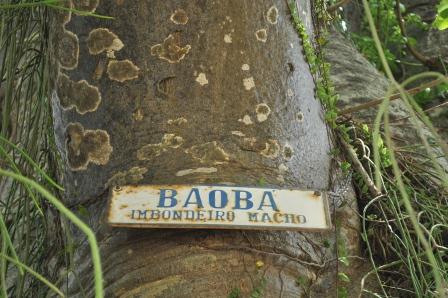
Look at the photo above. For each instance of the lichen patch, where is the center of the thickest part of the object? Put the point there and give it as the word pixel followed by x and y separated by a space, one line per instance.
pixel 64 15
pixel 228 38
pixel 102 39
pixel 288 151
pixel 122 71
pixel 179 17
pixel 86 146
pixel 86 5
pixel 138 115
pixel 179 121
pixel 132 176
pixel 247 120
pixel 262 35
pixel 272 15
pixel 172 141
pixel 245 67
pixel 238 133
pixel 263 111
pixel 68 51
pixel 196 171
pixel 281 178
pixel 252 144
pixel 166 87
pixel 290 93
pixel 299 117
pixel 79 95
pixel 283 168
pixel 210 152
pixel 202 79
pixel 271 150
pixel 249 83
pixel 171 50
pixel 169 141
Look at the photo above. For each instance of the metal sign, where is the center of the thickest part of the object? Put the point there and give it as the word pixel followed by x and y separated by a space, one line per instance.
pixel 225 207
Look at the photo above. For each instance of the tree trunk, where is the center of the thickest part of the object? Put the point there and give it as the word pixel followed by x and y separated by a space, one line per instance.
pixel 191 92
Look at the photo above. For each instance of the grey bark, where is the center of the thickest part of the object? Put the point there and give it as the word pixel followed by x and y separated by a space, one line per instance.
pixel 136 113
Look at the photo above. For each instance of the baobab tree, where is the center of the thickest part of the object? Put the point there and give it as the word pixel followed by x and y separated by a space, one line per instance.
pixel 197 92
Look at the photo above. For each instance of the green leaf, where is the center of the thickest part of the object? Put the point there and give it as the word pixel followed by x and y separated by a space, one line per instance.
pixel 441 21
pixel 345 261
pixel 235 293
pixel 365 128
pixel 412 41
pixel 343 277
pixel 303 281
pixel 442 9
pixel 345 166
pixel 83 212
pixel 342 292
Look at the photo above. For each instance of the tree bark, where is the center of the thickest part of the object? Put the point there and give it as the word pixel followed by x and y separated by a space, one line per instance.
pixel 198 92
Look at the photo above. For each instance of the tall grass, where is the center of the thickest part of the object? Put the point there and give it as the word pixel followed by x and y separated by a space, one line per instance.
pixel 27 149
pixel 408 249
pixel 35 235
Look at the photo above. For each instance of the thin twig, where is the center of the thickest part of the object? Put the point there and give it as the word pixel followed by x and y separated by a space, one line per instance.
pixel 360 168
pixel 378 101
pixel 430 62
pixel 426 111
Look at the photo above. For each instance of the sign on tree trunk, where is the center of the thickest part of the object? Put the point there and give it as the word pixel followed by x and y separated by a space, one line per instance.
pixel 193 93
pixel 182 206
